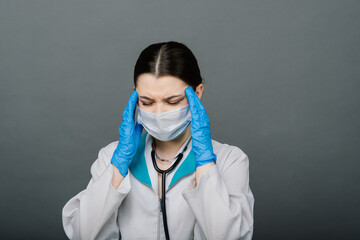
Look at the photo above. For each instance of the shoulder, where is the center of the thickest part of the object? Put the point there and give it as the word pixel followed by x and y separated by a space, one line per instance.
pixel 227 151
pixel 104 159
pixel 227 155
pixel 109 149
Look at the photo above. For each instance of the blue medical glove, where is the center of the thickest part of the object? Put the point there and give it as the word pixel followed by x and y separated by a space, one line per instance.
pixel 200 130
pixel 129 137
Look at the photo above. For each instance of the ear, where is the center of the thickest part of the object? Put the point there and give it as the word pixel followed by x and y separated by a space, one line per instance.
pixel 199 90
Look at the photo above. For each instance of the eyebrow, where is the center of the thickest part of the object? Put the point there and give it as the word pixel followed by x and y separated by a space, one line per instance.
pixel 167 99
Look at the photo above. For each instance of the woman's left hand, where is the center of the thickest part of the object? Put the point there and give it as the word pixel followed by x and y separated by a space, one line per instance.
pixel 200 130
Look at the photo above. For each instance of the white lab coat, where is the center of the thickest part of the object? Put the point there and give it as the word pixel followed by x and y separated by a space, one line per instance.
pixel 221 206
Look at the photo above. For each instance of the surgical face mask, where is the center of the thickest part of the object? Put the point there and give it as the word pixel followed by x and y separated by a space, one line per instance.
pixel 165 126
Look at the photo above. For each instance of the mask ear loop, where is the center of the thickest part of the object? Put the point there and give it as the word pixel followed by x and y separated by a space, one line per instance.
pixel 136 113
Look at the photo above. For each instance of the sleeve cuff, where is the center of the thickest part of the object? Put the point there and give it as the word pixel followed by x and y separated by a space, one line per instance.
pixel 191 190
pixel 124 186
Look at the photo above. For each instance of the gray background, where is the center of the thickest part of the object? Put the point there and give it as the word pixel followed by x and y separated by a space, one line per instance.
pixel 282 84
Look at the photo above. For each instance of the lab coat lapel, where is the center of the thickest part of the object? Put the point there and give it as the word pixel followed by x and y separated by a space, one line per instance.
pixel 188 166
pixel 138 165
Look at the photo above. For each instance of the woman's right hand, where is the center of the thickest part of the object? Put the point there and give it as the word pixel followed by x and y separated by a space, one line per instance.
pixel 129 137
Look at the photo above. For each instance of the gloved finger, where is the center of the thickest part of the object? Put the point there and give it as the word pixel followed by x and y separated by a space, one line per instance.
pixel 138 129
pixel 128 114
pixel 194 101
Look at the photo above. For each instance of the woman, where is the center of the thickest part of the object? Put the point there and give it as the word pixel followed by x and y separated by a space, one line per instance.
pixel 174 181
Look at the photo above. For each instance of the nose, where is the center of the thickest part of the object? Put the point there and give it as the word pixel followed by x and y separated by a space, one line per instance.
pixel 159 108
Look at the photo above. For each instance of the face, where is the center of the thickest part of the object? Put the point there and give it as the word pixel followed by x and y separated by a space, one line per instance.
pixel 162 94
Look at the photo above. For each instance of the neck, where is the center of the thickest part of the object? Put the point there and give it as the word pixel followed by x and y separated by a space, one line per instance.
pixel 168 150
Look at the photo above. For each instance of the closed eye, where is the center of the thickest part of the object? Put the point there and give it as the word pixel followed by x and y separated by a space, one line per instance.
pixel 146 104
pixel 177 102
pixel 174 103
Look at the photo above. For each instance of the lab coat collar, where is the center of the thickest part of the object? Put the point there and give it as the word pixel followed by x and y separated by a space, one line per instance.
pixel 139 168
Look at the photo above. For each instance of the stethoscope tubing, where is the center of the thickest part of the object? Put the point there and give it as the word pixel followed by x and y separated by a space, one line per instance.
pixel 163 185
pixel 163 192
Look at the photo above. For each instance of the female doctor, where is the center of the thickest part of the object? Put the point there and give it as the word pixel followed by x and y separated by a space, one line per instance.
pixel 173 181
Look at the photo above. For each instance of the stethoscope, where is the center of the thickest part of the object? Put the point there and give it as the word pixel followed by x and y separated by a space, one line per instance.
pixel 163 175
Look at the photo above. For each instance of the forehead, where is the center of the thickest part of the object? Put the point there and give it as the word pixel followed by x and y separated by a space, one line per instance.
pixel 162 86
